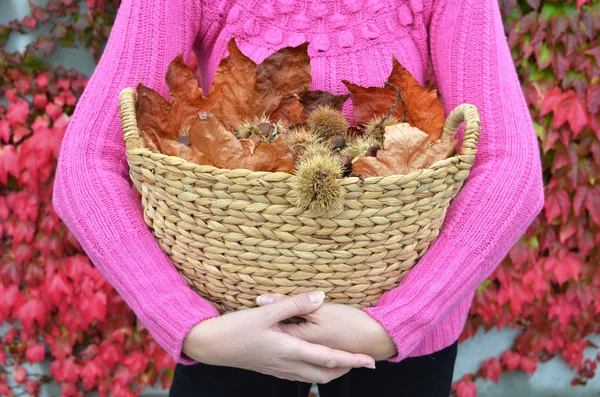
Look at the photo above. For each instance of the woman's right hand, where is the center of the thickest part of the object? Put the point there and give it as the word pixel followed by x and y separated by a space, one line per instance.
pixel 252 339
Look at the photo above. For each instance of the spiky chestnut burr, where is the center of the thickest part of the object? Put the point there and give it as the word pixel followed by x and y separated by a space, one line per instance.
pixel 359 146
pixel 376 127
pixel 326 122
pixel 317 187
pixel 259 126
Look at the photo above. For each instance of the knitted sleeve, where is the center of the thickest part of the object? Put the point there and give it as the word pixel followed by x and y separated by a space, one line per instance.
pixel 92 190
pixel 504 191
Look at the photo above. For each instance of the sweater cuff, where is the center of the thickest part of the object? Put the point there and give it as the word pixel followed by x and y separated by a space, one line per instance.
pixel 405 340
pixel 189 313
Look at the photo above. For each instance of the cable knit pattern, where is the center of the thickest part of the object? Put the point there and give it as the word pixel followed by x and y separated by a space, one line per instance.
pixel 349 39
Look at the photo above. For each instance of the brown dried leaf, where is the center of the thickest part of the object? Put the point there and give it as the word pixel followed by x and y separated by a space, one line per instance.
pixel 272 157
pixel 439 150
pixel 405 151
pixel 215 145
pixel 186 96
pixel 281 73
pixel 232 95
pixel 314 99
pixel 170 147
pixel 289 111
pixel 153 114
pixel 371 102
pixel 424 108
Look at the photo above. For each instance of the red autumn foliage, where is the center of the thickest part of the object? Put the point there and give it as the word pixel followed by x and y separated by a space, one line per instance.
pixel 548 286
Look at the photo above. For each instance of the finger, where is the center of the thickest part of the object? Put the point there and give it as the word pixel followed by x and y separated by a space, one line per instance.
pixel 295 306
pixel 315 374
pixel 298 331
pixel 267 299
pixel 327 357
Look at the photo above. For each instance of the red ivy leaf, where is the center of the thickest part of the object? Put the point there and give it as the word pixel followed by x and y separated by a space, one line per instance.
pixel 491 369
pixel 528 364
pixel 593 98
pixel 557 203
pixel 9 163
pixel 570 109
pixel 137 362
pixel 9 295
pixel 35 352
pixel 551 99
pixel 466 389
pixel 19 374
pixel 33 309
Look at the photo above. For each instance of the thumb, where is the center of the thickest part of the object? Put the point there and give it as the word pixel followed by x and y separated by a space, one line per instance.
pixel 295 306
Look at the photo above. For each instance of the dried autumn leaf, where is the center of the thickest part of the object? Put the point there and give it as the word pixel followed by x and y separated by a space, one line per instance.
pixel 232 95
pixel 272 157
pixel 312 100
pixel 424 108
pixel 281 73
pixel 186 96
pixel 250 143
pixel 170 147
pixel 407 149
pixel 289 111
pixel 153 114
pixel 216 145
pixel 371 102
pixel 438 150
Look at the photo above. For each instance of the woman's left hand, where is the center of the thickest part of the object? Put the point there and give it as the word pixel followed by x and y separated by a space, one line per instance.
pixel 340 327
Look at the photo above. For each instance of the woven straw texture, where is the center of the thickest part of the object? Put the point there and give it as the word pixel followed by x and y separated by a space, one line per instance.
pixel 236 234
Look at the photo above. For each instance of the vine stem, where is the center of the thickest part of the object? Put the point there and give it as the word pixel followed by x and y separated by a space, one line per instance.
pixel 399 99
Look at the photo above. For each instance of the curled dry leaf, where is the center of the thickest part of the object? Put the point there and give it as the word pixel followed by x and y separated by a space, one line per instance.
pixel 289 111
pixel 282 73
pixel 186 96
pixel 232 95
pixel 173 148
pixel 272 157
pixel 407 149
pixel 311 100
pixel 153 113
pixel 218 147
pixel 423 107
pixel 371 102
pixel 242 89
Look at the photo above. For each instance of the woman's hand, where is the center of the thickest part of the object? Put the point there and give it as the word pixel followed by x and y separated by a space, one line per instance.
pixel 252 339
pixel 339 327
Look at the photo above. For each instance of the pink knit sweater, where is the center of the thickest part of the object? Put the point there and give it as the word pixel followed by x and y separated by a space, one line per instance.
pixel 349 39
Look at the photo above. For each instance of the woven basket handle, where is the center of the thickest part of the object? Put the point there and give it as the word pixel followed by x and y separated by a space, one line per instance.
pixel 131 134
pixel 470 115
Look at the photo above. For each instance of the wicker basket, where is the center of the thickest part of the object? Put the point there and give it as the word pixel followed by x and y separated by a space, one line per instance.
pixel 234 234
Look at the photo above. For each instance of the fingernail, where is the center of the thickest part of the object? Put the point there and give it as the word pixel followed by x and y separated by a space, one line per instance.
pixel 370 366
pixel 264 299
pixel 316 297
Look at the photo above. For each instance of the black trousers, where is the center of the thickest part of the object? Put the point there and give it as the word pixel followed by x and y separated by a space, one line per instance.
pixel 425 376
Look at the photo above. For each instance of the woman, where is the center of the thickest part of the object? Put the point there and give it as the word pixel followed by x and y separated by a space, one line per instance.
pixel 413 329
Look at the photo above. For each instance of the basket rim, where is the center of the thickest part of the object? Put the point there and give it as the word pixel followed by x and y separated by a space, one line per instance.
pixel 462 113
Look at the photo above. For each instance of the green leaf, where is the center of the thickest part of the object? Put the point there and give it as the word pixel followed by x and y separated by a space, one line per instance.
pixel 539 130
pixel 483 285
pixel 544 57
